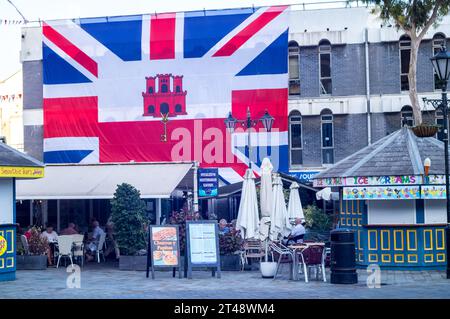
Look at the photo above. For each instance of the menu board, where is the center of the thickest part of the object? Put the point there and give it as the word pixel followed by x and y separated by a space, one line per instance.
pixel 164 246
pixel 203 245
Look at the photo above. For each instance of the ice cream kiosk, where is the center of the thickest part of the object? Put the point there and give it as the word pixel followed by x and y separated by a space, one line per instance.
pixel 13 165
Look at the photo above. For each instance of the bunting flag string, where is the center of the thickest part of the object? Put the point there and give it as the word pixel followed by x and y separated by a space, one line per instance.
pixel 10 97
pixel 10 22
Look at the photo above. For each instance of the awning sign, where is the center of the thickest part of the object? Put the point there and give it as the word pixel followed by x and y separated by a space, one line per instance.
pixel 21 172
pixel 208 182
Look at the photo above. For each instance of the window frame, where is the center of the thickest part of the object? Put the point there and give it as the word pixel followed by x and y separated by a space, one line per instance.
pixel 434 47
pixel 322 147
pixel 325 49
pixel 294 81
pixel 406 109
pixel 404 39
pixel 291 148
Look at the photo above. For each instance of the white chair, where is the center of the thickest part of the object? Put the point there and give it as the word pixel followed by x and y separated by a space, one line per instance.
pixel 65 248
pixel 100 246
pixel 25 246
pixel 78 248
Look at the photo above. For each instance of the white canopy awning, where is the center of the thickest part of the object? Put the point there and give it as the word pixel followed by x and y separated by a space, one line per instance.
pixel 153 180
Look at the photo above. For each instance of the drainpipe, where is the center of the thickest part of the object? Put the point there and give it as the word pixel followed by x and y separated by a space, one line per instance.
pixel 369 117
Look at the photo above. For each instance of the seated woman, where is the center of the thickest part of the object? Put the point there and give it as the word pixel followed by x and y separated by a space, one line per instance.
pixel 223 227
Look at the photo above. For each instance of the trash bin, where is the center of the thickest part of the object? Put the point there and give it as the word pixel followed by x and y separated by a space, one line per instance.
pixel 343 265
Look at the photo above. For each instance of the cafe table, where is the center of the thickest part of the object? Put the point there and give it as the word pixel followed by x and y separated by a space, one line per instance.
pixel 299 248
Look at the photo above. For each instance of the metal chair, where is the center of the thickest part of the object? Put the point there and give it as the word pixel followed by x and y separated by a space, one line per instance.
pixel 65 248
pixel 282 251
pixel 314 258
pixel 252 249
pixel 100 245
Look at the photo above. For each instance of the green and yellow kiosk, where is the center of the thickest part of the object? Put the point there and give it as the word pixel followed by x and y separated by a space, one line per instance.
pixel 13 165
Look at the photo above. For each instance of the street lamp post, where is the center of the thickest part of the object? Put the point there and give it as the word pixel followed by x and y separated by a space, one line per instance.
pixel 248 123
pixel 442 68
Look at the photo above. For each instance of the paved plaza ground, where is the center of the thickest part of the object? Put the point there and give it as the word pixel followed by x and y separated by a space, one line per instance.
pixel 107 281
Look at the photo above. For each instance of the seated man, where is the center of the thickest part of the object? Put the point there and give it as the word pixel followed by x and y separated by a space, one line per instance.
pixel 52 239
pixel 92 246
pixel 70 230
pixel 223 228
pixel 297 233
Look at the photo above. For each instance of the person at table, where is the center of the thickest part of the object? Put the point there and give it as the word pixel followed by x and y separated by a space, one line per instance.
pixel 52 239
pixel 70 230
pixel 297 233
pixel 223 227
pixel 92 246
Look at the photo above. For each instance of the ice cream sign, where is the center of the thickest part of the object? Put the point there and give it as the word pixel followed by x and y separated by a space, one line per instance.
pixel 379 180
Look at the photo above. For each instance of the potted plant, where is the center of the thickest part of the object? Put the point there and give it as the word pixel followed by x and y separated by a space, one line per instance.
pixel 128 216
pixel 230 244
pixel 36 259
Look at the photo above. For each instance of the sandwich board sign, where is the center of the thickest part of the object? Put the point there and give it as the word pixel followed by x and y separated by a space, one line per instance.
pixel 202 245
pixel 163 249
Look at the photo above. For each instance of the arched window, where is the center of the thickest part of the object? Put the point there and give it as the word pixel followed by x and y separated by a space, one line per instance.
pixel 325 67
pixel 164 88
pixel 150 90
pixel 178 108
pixel 151 109
pixel 327 132
pixel 439 41
pixel 164 108
pixel 294 68
pixel 405 52
pixel 407 117
pixel 295 138
pixel 178 89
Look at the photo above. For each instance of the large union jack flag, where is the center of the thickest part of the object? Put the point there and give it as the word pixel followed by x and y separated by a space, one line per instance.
pixel 108 80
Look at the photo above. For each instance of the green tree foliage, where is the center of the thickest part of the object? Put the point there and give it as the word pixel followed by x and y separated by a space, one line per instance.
pixel 317 220
pixel 128 216
pixel 414 17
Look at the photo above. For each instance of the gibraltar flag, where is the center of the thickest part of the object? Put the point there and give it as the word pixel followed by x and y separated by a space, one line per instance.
pixel 109 81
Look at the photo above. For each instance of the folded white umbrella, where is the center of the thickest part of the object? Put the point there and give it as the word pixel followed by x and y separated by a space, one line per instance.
pixel 295 209
pixel 279 211
pixel 266 193
pixel 248 216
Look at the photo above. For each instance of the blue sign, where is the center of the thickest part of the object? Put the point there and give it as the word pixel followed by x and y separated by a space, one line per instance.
pixel 305 176
pixel 208 182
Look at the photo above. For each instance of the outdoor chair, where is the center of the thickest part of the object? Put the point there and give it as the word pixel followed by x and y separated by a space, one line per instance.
pixel 65 243
pixel 283 255
pixel 25 245
pixel 100 247
pixel 78 248
pixel 314 257
pixel 252 250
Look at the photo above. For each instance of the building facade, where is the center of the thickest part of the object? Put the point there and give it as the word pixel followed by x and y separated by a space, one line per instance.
pixel 348 84
pixel 347 89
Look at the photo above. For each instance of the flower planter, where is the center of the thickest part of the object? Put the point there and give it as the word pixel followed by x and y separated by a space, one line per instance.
pixel 425 130
pixel 268 269
pixel 230 262
pixel 133 263
pixel 30 262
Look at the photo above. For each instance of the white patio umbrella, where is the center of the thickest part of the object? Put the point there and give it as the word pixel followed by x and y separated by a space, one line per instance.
pixel 295 209
pixel 248 216
pixel 265 198
pixel 279 211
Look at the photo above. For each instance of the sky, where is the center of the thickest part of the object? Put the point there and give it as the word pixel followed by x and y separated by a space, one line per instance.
pixel 34 10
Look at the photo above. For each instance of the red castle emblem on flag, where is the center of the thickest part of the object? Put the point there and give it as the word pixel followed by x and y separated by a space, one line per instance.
pixel 164 95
